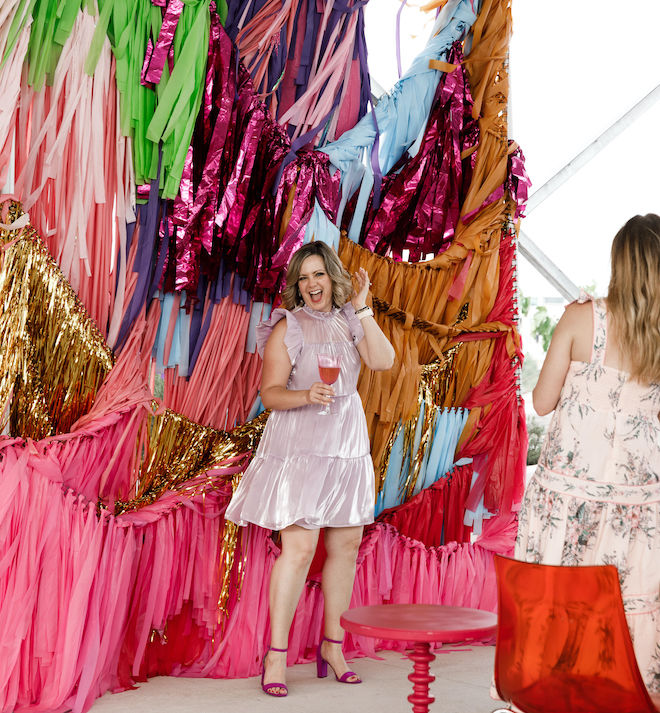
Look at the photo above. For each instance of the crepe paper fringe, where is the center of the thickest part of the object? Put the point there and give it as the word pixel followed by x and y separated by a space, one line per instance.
pixel 391 569
pixel 82 593
pixel 14 40
pixel 74 177
pixel 496 425
pixel 163 112
pixel 167 556
pixel 422 451
pixel 435 515
pixel 429 326
pixel 307 61
pixel 221 390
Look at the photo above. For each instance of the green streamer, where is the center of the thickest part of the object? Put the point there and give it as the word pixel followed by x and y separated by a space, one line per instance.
pixel 21 15
pixel 162 116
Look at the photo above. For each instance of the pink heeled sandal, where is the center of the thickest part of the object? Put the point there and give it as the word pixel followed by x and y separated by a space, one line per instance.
pixel 322 665
pixel 267 688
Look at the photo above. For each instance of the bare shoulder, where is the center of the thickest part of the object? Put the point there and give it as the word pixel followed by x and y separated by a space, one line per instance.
pixel 578 327
pixel 578 314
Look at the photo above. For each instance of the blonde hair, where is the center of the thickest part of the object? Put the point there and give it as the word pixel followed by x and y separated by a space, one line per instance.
pixel 633 298
pixel 342 287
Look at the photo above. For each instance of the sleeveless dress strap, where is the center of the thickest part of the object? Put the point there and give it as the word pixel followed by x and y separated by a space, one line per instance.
pixel 600 332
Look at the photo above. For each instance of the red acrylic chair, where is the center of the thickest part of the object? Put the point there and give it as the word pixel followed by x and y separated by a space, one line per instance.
pixel 563 645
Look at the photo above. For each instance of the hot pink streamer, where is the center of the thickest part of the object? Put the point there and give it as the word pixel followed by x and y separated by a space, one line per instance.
pixel 391 569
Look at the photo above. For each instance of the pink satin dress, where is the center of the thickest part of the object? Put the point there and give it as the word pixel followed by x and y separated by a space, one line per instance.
pixel 312 470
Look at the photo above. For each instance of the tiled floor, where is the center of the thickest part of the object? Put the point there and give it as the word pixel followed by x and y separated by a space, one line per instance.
pixel 462 686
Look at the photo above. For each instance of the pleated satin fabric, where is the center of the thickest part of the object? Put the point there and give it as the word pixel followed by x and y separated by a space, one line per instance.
pixel 312 470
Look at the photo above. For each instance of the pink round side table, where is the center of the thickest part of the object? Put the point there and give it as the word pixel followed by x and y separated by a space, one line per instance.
pixel 421 624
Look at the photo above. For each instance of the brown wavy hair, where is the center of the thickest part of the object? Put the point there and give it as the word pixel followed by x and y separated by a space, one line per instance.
pixel 633 298
pixel 342 287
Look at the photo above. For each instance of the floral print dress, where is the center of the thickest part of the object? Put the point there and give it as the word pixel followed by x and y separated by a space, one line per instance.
pixel 595 495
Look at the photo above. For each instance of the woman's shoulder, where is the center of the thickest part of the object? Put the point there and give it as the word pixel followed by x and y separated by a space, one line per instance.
pixel 576 317
pixel 284 325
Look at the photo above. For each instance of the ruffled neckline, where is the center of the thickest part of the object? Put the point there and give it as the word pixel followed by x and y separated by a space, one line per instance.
pixel 320 315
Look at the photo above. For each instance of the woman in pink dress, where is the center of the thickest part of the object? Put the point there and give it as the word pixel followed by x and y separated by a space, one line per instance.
pixel 313 470
pixel 595 496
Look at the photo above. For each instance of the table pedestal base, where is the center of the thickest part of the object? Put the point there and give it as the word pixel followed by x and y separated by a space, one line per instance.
pixel 420 677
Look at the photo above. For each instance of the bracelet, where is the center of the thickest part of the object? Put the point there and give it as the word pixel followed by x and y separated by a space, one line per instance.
pixel 365 312
pixel 362 309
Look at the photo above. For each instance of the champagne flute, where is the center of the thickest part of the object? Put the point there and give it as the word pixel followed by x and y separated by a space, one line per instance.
pixel 329 366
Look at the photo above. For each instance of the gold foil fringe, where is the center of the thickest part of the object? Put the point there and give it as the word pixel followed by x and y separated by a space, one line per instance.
pixel 53 358
pixel 178 453
pixel 433 393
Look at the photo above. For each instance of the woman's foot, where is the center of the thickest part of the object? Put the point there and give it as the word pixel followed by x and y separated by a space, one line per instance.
pixel 274 672
pixel 333 654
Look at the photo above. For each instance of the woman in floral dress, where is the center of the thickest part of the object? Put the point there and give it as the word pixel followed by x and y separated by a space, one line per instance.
pixel 595 496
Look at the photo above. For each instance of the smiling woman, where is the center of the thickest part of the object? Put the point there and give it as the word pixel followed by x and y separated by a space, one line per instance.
pixel 312 268
pixel 313 469
pixel 314 284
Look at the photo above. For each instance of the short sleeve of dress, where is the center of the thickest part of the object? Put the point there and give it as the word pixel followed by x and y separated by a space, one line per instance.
pixel 354 324
pixel 293 339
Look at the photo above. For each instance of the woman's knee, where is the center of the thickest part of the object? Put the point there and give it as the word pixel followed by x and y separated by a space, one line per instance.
pixel 299 551
pixel 345 546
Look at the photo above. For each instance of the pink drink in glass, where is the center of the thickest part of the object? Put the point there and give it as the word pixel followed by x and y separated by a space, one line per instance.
pixel 329 367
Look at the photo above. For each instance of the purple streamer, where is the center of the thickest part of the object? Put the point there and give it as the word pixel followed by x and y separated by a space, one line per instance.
pixel 149 218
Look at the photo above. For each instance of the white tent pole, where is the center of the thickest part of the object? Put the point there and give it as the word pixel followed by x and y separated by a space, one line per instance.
pixel 544 265
pixel 550 186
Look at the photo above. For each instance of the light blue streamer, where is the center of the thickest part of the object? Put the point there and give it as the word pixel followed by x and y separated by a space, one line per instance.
pixel 259 312
pixel 321 229
pixel 183 326
pixel 257 408
pixel 401 115
pixel 438 460
pixel 389 495
pixel 180 349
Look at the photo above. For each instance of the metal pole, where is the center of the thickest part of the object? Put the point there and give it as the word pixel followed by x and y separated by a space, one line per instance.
pixel 550 186
pixel 543 264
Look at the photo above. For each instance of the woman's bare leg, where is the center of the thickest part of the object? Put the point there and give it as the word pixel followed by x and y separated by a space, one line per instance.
pixel 341 544
pixel 286 582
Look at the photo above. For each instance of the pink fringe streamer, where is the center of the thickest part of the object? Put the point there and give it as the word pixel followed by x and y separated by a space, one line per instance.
pixel 391 569
pixel 225 380
pixel 76 174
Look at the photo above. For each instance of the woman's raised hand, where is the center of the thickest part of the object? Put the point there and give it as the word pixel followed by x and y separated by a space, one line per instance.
pixel 359 298
pixel 320 393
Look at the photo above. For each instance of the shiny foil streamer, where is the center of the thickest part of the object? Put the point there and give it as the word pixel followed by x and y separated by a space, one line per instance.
pixel 53 357
pixel 518 182
pixel 179 451
pixel 421 196
pixel 306 36
pixel 240 216
pixel 154 61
